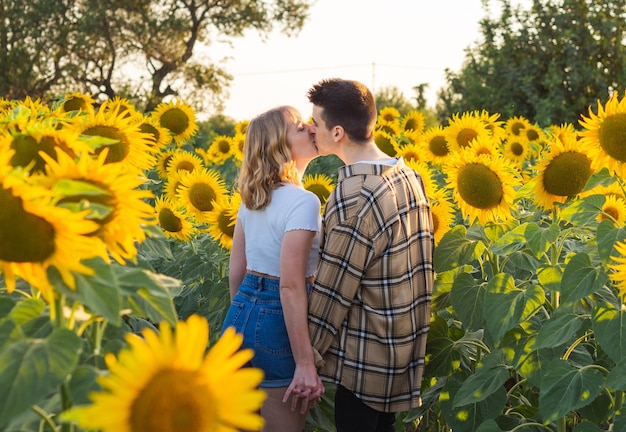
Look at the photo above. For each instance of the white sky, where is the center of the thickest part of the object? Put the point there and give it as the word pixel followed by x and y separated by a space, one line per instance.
pixel 400 43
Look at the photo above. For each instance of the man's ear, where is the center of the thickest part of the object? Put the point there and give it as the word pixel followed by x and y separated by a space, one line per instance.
pixel 338 133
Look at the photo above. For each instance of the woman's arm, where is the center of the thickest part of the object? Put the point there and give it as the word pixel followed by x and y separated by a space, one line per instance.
pixel 294 256
pixel 237 265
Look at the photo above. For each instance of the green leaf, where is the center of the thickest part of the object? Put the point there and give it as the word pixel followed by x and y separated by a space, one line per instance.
pixel 149 292
pixel 442 358
pixel 489 426
pixel 27 309
pixel 564 389
pixel 455 250
pixel 490 376
pixel 31 369
pixel 469 417
pixel 549 277
pixel 581 278
pixel 99 292
pixel 609 328
pixel 558 330
pixel 82 382
pixel 68 188
pixel 467 296
pixel 510 242
pixel 607 235
pixel 584 211
pixel 506 306
pixel 540 239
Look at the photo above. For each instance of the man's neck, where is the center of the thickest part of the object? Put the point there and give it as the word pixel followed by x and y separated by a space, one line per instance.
pixel 369 151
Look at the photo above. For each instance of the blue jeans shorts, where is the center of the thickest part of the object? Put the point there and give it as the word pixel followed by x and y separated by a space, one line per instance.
pixel 256 312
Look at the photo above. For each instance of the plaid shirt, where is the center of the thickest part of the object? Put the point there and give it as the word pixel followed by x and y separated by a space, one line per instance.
pixel 369 309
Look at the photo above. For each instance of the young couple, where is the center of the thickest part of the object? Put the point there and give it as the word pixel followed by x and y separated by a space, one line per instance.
pixel 346 300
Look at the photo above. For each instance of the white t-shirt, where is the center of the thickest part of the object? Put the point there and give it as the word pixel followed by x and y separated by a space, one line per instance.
pixel 291 208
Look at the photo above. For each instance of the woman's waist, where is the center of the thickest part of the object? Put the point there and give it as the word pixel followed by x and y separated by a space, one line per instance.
pixel 308 280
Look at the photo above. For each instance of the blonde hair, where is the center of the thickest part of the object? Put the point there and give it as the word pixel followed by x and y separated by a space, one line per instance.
pixel 267 158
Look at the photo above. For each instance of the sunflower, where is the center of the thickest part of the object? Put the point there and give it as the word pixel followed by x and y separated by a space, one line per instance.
pixel 482 186
pixel 562 130
pixel 173 184
pixel 122 107
pixel 183 160
pixel 109 193
pixel 221 149
pixel 159 136
pixel 172 219
pixel 534 133
pixel 461 130
pixel 563 172
pixel 516 149
pixel 443 212
pixel 76 102
pixel 241 127
pixel 494 126
pixel 410 152
pixel 177 117
pixel 605 135
pixel 386 142
pixel 389 114
pixel 6 106
pixel 427 175
pixel 618 277
pixel 165 382
pixel 516 125
pixel 39 139
pixel 200 190
pixel 238 142
pixel 485 145
pixel 413 121
pixel 435 145
pixel 222 218
pixel 114 130
pixel 36 235
pixel 163 162
pixel 614 209
pixel 320 184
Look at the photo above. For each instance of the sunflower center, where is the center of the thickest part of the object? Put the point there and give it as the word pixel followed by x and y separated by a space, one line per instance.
pixel 319 190
pixel 384 143
pixel 175 120
pixel 465 136
pixel 173 401
pixel 74 104
pixel 516 148
pixel 479 186
pixel 516 128
pixel 411 156
pixel 613 136
pixel 118 150
pixel 185 165
pixel 150 130
pixel 223 146
pixel 611 211
pixel 438 146
pixel 532 135
pixel 27 152
pixel 169 221
pixel 435 222
pixel 412 124
pixel 24 237
pixel 224 223
pixel 202 196
pixel 567 174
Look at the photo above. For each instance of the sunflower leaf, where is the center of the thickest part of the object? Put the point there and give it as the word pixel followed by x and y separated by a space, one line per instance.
pixel 581 278
pixel 609 328
pixel 31 369
pixel 584 211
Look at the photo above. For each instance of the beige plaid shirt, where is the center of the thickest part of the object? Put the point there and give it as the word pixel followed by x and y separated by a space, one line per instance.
pixel 369 309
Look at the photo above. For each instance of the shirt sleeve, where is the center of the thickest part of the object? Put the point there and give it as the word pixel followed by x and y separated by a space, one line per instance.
pixel 304 213
pixel 346 253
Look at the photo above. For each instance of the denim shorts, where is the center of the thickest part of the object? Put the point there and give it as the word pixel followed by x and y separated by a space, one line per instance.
pixel 256 312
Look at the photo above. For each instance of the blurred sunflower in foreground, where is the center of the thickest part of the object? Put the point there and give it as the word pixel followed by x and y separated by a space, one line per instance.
pixel 165 383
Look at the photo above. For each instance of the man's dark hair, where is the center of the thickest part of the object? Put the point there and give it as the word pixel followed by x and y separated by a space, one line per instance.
pixel 346 103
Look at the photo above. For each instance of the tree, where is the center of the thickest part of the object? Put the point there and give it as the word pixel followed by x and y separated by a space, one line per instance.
pixel 145 50
pixel 547 64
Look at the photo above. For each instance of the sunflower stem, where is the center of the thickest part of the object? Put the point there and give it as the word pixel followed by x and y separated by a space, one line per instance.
pixel 45 416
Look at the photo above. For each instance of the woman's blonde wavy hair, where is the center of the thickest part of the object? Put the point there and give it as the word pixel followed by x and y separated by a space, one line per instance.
pixel 266 158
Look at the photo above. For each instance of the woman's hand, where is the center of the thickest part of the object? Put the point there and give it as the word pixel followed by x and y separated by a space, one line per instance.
pixel 306 387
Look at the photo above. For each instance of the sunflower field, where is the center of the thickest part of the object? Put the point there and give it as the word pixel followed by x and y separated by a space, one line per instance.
pixel 115 232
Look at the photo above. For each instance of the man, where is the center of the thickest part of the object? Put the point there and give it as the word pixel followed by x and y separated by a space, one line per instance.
pixel 369 309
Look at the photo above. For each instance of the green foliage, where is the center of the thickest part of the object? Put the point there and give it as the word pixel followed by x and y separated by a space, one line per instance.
pixel 56 47
pixel 547 63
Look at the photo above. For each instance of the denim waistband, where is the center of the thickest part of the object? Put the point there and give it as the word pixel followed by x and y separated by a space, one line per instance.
pixel 262 282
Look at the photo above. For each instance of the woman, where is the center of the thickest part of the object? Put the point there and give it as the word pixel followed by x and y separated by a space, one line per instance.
pixel 273 259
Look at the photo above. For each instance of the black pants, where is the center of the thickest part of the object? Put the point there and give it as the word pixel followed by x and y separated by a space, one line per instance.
pixel 352 415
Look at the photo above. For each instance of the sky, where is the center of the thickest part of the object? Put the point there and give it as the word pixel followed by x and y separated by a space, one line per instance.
pixel 400 43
